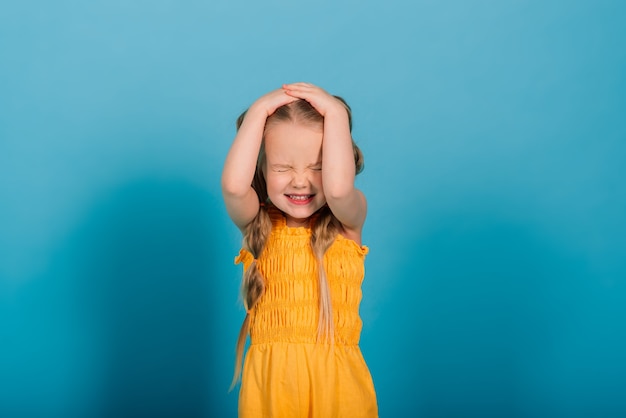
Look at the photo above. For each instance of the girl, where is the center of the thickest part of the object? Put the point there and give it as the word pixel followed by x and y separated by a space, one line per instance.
pixel 288 184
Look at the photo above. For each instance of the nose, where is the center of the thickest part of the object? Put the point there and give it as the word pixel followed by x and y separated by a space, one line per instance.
pixel 299 180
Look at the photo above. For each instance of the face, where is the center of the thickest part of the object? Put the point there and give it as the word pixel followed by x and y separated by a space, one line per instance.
pixel 293 170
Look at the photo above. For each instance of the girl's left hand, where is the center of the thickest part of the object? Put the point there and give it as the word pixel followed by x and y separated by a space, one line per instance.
pixel 323 102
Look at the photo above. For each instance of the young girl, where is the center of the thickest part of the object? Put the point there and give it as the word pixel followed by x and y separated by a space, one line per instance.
pixel 288 184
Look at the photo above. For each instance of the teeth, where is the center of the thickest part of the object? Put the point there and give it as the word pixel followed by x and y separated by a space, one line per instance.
pixel 298 197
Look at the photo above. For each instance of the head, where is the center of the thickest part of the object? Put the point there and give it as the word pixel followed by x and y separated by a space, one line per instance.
pixel 289 168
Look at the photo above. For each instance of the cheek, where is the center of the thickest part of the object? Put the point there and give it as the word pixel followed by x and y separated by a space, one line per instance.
pixel 317 177
pixel 275 182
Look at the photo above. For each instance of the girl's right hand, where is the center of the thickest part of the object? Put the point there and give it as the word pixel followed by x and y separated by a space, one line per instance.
pixel 242 202
pixel 268 103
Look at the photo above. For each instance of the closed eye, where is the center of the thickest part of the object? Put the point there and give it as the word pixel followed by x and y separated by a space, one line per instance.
pixel 280 168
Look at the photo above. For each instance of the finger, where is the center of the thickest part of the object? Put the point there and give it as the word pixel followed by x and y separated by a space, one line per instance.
pixel 299 86
pixel 300 83
pixel 297 92
pixel 302 94
pixel 286 99
pixel 277 99
pixel 303 91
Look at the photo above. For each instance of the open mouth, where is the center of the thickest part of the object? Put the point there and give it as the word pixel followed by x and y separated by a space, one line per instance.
pixel 300 199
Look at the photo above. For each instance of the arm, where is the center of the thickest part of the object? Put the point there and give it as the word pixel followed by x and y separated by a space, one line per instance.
pixel 347 203
pixel 242 202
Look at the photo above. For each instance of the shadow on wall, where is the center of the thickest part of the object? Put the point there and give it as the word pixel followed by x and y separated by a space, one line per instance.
pixel 479 321
pixel 147 264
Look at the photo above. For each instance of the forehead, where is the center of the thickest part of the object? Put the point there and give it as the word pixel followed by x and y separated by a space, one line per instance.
pixel 291 142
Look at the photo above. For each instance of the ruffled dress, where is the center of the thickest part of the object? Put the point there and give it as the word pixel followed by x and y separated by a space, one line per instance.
pixel 286 372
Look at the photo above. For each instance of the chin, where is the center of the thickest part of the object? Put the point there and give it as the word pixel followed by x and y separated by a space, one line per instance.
pixel 303 212
pixel 300 213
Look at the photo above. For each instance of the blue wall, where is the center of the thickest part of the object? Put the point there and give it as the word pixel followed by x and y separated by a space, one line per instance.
pixel 494 134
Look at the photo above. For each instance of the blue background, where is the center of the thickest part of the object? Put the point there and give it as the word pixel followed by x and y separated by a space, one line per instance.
pixel 494 134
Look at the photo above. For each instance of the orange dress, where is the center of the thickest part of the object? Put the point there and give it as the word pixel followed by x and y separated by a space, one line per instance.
pixel 286 373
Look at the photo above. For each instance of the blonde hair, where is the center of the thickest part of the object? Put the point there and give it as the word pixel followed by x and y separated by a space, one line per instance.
pixel 323 231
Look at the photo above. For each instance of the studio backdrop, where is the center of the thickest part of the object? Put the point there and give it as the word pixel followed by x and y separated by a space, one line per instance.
pixel 495 159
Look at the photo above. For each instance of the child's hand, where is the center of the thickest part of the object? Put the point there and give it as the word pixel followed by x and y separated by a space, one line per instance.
pixel 323 102
pixel 268 103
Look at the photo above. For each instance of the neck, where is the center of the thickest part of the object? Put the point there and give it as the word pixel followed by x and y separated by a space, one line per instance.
pixel 295 223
